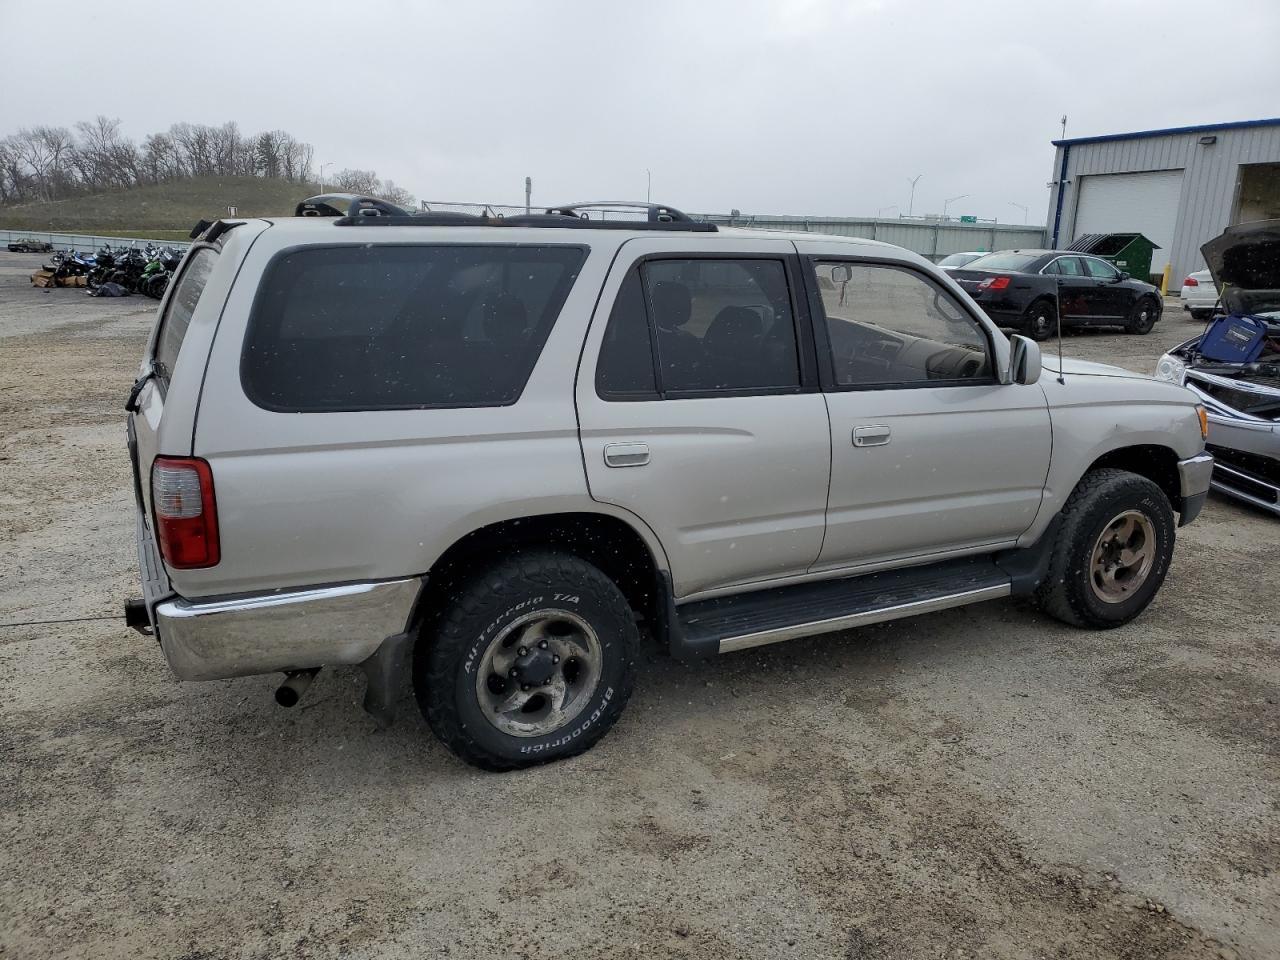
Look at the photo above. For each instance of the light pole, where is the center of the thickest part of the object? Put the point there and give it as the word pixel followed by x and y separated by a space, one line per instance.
pixel 322 166
pixel 648 185
pixel 911 204
pixel 880 212
pixel 947 203
pixel 1020 206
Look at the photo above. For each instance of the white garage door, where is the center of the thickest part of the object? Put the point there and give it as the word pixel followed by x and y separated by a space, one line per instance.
pixel 1144 203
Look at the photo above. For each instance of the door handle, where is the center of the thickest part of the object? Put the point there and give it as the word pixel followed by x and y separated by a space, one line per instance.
pixel 873 435
pixel 626 454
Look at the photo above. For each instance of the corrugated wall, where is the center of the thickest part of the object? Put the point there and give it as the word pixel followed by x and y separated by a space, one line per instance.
pixel 1210 179
pixel 933 240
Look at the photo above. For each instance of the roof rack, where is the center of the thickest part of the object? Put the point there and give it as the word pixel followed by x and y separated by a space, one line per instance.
pixel 347 205
pixel 353 210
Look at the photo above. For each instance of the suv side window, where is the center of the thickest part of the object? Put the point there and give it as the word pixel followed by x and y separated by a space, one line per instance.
pixel 1100 269
pixel 890 326
pixel 625 368
pixel 177 315
pixel 722 325
pixel 383 326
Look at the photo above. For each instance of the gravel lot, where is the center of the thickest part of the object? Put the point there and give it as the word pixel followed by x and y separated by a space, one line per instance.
pixel 977 783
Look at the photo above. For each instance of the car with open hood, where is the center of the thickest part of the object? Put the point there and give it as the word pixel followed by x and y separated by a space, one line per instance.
pixel 1234 366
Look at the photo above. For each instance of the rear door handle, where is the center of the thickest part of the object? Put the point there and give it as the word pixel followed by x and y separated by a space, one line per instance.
pixel 626 454
pixel 872 435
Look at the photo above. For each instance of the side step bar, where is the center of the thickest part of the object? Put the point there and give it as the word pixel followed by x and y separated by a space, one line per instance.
pixel 785 613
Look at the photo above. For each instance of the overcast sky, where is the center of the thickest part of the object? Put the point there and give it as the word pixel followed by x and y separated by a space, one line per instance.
pixel 793 106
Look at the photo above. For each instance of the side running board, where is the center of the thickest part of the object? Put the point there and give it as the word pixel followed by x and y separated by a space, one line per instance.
pixel 784 613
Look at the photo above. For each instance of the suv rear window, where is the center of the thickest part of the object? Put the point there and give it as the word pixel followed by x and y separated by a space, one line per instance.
pixel 387 327
pixel 182 304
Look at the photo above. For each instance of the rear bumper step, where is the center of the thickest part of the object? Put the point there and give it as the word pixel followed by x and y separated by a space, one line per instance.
pixel 785 613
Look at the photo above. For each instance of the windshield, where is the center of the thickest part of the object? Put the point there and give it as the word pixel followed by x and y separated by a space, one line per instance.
pixel 1003 261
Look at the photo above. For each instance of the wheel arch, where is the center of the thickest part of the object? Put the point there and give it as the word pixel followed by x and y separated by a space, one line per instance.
pixel 1157 463
pixel 632 559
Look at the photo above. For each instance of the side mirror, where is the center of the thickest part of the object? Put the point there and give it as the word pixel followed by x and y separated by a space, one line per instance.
pixel 842 273
pixel 1024 359
pixel 1123 276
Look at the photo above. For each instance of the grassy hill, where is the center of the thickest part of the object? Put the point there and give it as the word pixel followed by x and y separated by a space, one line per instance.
pixel 162 211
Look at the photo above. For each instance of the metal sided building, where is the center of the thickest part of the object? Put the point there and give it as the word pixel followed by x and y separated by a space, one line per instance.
pixel 1180 186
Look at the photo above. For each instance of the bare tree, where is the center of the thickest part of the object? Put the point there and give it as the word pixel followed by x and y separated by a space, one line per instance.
pixel 50 163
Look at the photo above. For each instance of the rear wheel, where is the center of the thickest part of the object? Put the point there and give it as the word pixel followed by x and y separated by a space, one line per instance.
pixel 1112 551
pixel 530 661
pixel 1143 316
pixel 1039 321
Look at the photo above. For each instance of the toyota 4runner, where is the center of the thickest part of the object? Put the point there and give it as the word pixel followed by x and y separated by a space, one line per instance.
pixel 486 454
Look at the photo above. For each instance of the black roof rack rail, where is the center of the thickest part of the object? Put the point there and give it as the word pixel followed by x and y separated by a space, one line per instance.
pixel 353 210
pixel 531 220
pixel 347 205
pixel 654 212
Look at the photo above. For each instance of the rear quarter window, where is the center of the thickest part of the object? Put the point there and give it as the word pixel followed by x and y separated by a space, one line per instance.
pixel 399 327
pixel 178 311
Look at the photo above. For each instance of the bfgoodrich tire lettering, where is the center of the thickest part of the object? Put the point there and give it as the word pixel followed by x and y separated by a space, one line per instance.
pixel 518 593
pixel 1102 502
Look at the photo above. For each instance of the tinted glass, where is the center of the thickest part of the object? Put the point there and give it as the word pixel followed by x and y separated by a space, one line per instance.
pixel 722 325
pixel 889 326
pixel 1100 269
pixel 1003 261
pixel 182 304
pixel 958 259
pixel 625 369
pixel 1066 267
pixel 369 327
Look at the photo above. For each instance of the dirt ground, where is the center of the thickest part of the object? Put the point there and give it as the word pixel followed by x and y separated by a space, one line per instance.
pixel 981 783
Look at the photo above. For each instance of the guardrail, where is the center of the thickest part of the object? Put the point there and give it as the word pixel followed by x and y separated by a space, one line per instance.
pixel 84 242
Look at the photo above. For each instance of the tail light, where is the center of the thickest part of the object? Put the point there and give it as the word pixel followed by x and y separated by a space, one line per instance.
pixel 994 283
pixel 1191 282
pixel 185 511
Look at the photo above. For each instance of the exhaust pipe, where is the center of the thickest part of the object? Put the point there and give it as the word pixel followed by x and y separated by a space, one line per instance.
pixel 295 685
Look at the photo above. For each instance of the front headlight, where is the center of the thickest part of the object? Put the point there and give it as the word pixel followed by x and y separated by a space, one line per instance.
pixel 1170 368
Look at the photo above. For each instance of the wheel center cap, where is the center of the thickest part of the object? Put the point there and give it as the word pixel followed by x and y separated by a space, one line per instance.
pixel 536 667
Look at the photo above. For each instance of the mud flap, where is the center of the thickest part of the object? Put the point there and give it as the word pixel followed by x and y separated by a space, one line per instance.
pixel 385 672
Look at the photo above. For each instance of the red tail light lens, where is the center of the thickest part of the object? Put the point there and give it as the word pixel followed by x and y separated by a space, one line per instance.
pixel 185 511
pixel 1191 282
pixel 994 283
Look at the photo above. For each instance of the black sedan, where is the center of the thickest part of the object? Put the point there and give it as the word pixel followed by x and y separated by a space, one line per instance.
pixel 1022 289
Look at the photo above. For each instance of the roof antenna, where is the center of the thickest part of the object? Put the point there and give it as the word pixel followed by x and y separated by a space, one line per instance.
pixel 1057 300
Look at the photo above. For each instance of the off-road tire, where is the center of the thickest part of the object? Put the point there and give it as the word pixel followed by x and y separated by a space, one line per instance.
pixel 1143 316
pixel 452 643
pixel 1039 321
pixel 1065 593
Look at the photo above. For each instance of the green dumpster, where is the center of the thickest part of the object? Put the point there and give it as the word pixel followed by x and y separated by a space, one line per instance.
pixel 1130 252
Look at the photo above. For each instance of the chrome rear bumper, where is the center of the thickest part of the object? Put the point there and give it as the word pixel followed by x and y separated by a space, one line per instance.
pixel 265 633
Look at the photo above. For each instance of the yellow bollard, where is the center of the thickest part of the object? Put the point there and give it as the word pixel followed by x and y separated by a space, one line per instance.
pixel 1164 280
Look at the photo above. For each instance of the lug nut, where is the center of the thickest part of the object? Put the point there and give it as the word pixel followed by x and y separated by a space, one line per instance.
pixel 542 645
pixel 555 659
pixel 524 686
pixel 523 651
pixel 513 673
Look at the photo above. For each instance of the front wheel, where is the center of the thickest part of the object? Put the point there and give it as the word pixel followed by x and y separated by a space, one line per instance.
pixel 1112 550
pixel 1039 321
pixel 530 661
pixel 1143 316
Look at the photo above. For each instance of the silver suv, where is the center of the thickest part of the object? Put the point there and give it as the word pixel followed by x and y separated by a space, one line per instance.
pixel 489 455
